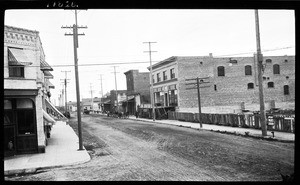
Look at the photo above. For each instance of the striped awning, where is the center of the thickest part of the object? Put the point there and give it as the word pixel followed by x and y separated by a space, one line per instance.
pixel 58 115
pixel 20 57
pixel 45 66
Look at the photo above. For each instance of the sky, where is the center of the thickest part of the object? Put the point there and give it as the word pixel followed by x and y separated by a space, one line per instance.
pixel 114 37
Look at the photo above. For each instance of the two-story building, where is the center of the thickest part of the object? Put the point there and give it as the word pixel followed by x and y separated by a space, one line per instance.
pixel 28 111
pixel 138 90
pixel 231 83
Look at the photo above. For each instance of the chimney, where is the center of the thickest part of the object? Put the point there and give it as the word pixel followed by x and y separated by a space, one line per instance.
pixel 210 55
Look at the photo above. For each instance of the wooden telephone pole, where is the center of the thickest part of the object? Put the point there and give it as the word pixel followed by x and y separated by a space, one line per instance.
pixel 75 42
pixel 260 80
pixel 151 80
pixel 196 85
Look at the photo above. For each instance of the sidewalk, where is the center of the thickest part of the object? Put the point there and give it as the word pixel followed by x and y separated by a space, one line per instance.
pixel 280 136
pixel 62 149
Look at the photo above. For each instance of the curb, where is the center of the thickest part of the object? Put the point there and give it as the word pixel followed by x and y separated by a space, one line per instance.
pixel 268 138
pixel 35 170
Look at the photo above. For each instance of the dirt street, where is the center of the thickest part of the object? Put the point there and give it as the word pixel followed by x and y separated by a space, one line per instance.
pixel 123 149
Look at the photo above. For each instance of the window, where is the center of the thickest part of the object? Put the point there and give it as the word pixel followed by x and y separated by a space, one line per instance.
pixel 286 90
pixel 215 87
pixel 153 81
pixel 268 60
pixel 270 84
pixel 172 73
pixel 250 86
pixel 165 75
pixel 22 113
pixel 276 69
pixel 173 98
pixel 248 70
pixel 16 71
pixel 221 71
pixel 158 77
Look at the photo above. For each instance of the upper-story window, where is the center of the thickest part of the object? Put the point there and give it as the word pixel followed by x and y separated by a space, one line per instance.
pixel 153 81
pixel 16 71
pixel 276 69
pixel 268 61
pixel 248 70
pixel 158 77
pixel 270 84
pixel 286 90
pixel 164 75
pixel 172 73
pixel 221 71
pixel 15 68
pixel 250 86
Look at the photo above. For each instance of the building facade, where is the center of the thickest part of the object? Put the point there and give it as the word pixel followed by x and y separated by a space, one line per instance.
pixel 228 84
pixel 138 90
pixel 26 93
pixel 116 104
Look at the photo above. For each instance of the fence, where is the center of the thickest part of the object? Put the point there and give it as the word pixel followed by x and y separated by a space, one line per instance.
pixel 274 122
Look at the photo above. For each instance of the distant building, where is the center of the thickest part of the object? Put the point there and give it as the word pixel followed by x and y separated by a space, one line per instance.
pixel 72 106
pixel 28 112
pixel 232 87
pixel 138 90
pixel 121 94
pixel 92 105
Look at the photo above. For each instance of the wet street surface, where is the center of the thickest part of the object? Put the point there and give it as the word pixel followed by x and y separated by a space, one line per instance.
pixel 124 149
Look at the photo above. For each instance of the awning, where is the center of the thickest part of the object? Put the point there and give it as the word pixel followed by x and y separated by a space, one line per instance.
pixel 48 118
pixel 59 115
pixel 45 66
pixel 47 74
pixel 20 57
pixel 51 85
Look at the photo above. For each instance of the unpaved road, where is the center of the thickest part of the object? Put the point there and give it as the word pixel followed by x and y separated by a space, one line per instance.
pixel 133 150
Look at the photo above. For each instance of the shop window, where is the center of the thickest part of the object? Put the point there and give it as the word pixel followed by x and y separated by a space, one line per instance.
pixel 248 70
pixel 24 103
pixel 250 86
pixel 25 121
pixel 173 98
pixel 286 90
pixel 270 84
pixel 221 71
pixel 276 69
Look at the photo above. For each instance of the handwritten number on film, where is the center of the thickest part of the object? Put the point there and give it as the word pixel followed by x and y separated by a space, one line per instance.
pixel 59 4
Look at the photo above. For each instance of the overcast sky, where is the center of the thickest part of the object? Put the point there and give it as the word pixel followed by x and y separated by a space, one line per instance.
pixel 117 36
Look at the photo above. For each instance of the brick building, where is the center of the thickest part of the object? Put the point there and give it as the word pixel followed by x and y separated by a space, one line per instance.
pixel 232 86
pixel 27 106
pixel 138 90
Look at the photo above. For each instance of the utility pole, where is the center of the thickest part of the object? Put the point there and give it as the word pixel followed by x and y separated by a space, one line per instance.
pixel 101 85
pixel 116 87
pixel 65 83
pixel 75 43
pixel 101 93
pixel 260 80
pixel 92 100
pixel 151 80
pixel 196 85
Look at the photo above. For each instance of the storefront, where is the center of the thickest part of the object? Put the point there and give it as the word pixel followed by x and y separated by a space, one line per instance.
pixel 166 96
pixel 20 128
